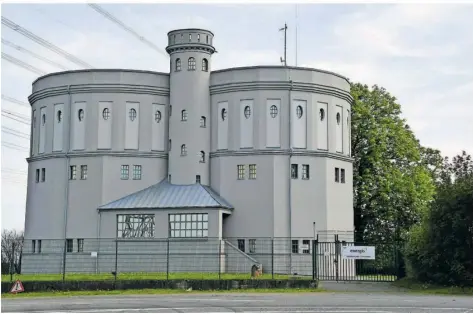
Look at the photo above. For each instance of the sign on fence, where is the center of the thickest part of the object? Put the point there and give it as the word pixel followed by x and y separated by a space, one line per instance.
pixel 358 252
pixel 17 287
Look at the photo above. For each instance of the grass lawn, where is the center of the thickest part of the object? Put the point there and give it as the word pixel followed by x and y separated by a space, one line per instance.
pixel 140 276
pixel 418 287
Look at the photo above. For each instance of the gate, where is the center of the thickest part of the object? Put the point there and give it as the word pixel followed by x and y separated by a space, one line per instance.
pixel 354 261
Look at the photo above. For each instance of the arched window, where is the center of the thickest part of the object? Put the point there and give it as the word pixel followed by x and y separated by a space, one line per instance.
pixel 80 114
pixel 183 150
pixel 198 38
pixel 43 121
pixel 224 114
pixel 203 122
pixel 205 65
pixel 247 112
pixel 190 37
pixel 132 114
pixel 207 40
pixel 322 114
pixel 299 112
pixel 338 117
pixel 157 116
pixel 202 156
pixel 169 144
pixel 273 111
pixel 106 113
pixel 59 116
pixel 178 64
pixel 191 64
pixel 184 115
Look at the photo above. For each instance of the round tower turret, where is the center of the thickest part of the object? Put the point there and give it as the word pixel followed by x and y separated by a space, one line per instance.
pixel 189 121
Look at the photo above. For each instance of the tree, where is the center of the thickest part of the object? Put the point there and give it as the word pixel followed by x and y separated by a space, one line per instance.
pixel 392 183
pixel 440 249
pixel 12 246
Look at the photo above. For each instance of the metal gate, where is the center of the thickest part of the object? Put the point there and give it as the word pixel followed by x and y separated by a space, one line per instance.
pixel 331 262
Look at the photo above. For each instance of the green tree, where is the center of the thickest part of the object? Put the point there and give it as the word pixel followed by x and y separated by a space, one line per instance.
pixel 440 249
pixel 392 182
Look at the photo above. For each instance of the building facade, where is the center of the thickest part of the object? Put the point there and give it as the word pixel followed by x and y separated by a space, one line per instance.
pixel 232 155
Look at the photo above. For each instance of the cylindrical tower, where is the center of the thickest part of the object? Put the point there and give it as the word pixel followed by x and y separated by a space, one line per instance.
pixel 189 113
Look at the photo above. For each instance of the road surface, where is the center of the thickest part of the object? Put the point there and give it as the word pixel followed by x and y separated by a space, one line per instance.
pixel 245 302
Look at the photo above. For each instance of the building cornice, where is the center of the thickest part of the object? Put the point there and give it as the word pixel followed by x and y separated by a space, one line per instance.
pixel 284 152
pixel 281 85
pixel 98 88
pixel 190 47
pixel 99 153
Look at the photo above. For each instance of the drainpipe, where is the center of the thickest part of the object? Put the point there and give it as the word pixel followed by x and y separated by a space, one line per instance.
pixel 66 156
pixel 290 177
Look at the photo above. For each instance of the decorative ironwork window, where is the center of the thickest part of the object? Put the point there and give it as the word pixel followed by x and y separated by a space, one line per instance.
pixel 157 116
pixel 205 65
pixel 136 172
pixel 178 64
pixel 203 122
pixel 247 112
pixel 273 111
pixel 294 171
pixel 80 114
pixel 135 226
pixel 252 172
pixel 125 172
pixel 299 112
pixel 191 64
pixel 305 172
pixel 188 225
pixel 83 172
pixel 184 115
pixel 106 113
pixel 241 172
pixel 132 114
pixel 72 172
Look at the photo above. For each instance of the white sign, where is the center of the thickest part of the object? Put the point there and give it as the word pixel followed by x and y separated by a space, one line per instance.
pixel 358 252
pixel 304 246
pixel 93 254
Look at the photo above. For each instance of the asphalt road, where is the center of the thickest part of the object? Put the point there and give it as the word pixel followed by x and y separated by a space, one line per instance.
pixel 257 302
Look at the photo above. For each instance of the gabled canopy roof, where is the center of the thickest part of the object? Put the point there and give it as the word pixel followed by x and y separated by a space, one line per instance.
pixel 166 195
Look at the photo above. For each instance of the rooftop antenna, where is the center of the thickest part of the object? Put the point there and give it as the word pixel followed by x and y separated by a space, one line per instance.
pixel 283 61
pixel 296 33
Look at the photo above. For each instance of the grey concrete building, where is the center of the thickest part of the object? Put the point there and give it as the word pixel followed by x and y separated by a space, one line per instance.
pixel 220 161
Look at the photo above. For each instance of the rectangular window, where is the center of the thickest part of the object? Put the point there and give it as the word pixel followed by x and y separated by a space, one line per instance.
pixel 252 245
pixel 241 172
pixel 169 178
pixel 39 246
pixel 253 172
pixel 305 172
pixel 83 172
pixel 69 245
pixel 43 174
pixel 135 226
pixel 197 178
pixel 342 175
pixel 202 122
pixel 306 246
pixel 188 225
pixel 80 245
pixel 136 172
pixel 33 246
pixel 337 174
pixel 294 171
pixel 72 172
pixel 125 172
pixel 241 245
pixel 295 246
pixel 37 175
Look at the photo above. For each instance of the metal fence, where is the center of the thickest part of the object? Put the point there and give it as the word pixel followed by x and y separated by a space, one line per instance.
pixel 209 258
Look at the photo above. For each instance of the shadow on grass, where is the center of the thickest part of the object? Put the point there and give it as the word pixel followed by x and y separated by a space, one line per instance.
pixel 412 285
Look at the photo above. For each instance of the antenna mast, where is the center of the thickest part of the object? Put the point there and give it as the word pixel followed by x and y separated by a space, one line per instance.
pixel 285 41
pixel 296 34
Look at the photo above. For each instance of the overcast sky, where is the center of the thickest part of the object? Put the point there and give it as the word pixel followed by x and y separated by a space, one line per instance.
pixel 422 54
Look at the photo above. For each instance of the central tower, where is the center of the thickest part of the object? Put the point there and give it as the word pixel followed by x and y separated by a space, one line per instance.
pixel 190 51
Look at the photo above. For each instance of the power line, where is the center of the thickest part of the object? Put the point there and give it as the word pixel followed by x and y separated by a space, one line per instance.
pixel 22 64
pixel 16 101
pixel 109 16
pixel 15 146
pixel 15 119
pixel 16 115
pixel 15 133
pixel 13 171
pixel 19 48
pixel 44 43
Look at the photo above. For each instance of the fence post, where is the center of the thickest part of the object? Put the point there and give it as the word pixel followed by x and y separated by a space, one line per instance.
pixel 219 258
pixel 64 261
pixel 272 258
pixel 314 259
pixel 337 256
pixel 12 263
pixel 116 259
pixel 167 260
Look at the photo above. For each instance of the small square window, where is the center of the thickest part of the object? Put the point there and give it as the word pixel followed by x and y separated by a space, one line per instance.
pixel 136 172
pixel 37 175
pixel 72 172
pixel 69 245
pixel 125 172
pixel 342 175
pixel 83 172
pixel 337 175
pixel 252 245
pixel 252 172
pixel 241 245
pixel 294 171
pixel 295 246
pixel 80 245
pixel 43 174
pixel 305 172
pixel 241 172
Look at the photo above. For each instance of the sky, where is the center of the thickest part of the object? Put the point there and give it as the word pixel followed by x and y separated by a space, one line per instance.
pixel 422 54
